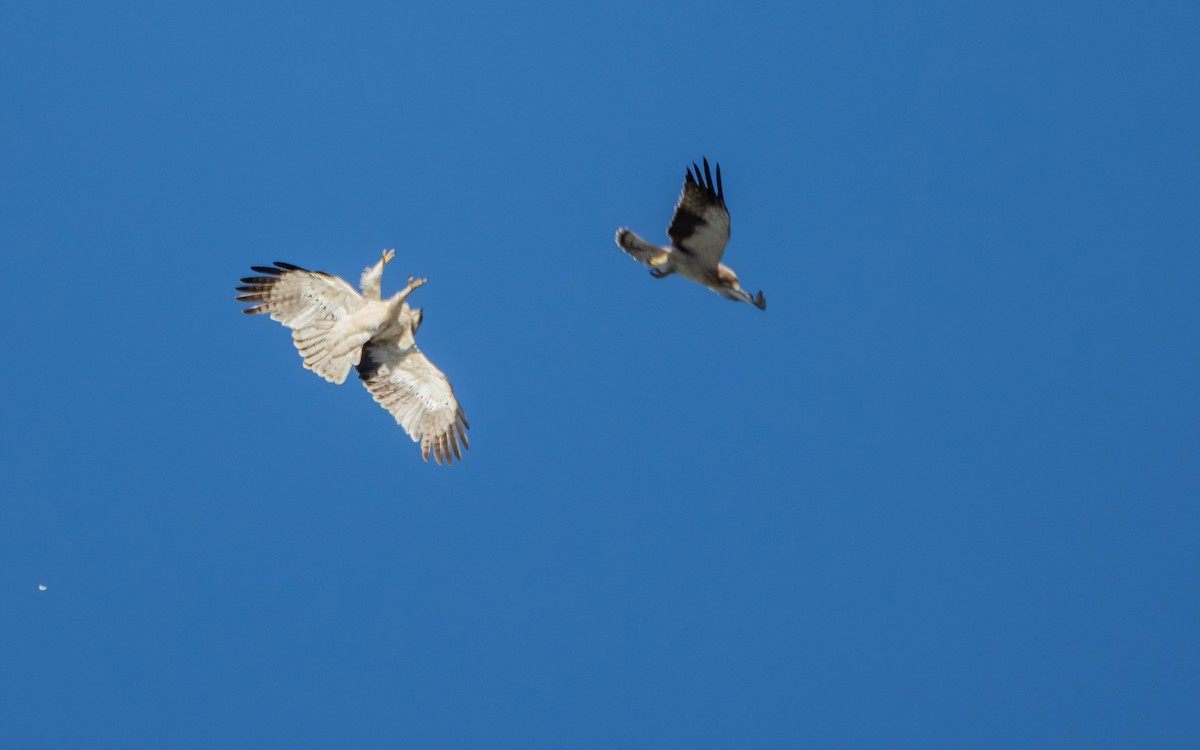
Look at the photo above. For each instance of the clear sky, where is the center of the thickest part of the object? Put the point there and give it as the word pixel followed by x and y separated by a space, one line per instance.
pixel 943 493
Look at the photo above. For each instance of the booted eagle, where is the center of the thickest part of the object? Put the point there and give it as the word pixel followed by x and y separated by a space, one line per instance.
pixel 699 232
pixel 336 328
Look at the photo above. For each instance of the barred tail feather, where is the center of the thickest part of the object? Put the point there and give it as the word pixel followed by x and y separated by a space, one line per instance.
pixel 325 352
pixel 644 252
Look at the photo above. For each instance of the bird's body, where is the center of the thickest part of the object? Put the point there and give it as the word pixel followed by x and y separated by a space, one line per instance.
pixel 699 232
pixel 335 328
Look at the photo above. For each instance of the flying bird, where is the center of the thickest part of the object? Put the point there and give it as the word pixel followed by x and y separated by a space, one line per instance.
pixel 336 328
pixel 699 232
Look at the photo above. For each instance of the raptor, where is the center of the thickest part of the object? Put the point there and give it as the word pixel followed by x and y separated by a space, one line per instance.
pixel 335 328
pixel 699 232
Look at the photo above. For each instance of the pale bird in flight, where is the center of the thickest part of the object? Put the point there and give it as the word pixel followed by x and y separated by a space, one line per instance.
pixel 336 328
pixel 699 232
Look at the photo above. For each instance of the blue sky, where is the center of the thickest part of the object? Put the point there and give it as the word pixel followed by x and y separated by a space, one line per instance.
pixel 942 493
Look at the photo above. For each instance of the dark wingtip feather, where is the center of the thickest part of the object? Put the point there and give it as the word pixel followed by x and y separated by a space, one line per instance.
pixel 287 266
pixel 266 269
pixel 704 180
pixel 708 180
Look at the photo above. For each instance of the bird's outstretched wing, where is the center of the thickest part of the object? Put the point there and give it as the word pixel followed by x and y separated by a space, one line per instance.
pixel 700 226
pixel 296 296
pixel 311 303
pixel 418 395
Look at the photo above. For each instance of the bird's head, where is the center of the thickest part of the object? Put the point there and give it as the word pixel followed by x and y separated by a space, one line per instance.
pixel 727 277
pixel 417 316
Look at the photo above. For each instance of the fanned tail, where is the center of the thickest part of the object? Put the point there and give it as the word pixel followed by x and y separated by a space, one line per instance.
pixel 652 256
pixel 327 353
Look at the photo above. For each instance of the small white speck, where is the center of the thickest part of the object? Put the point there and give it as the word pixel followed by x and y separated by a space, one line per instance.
pixel 41 587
